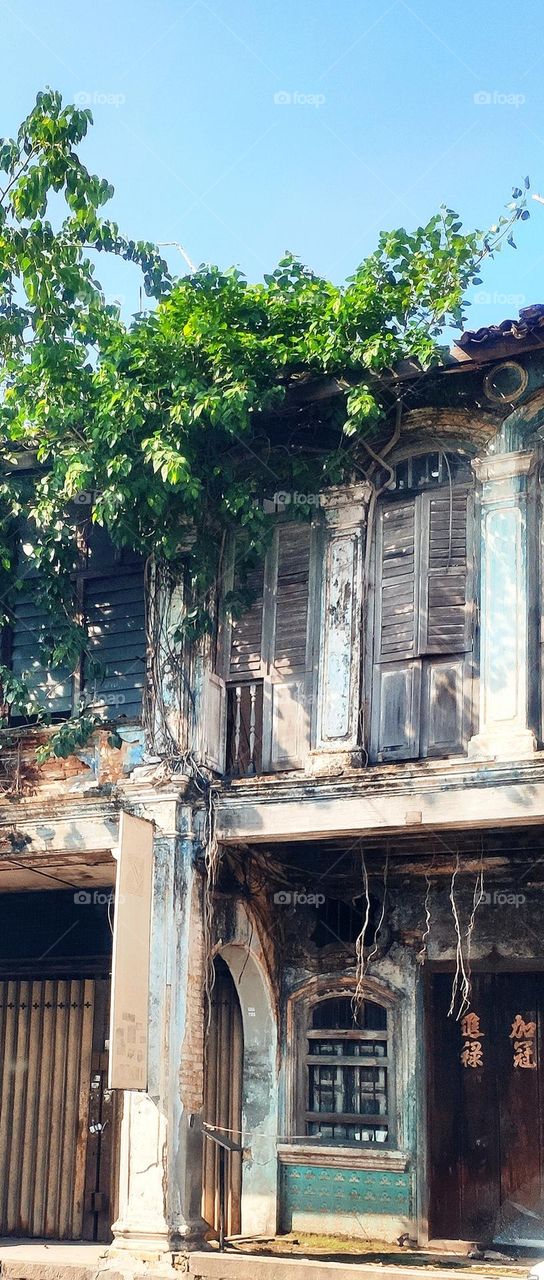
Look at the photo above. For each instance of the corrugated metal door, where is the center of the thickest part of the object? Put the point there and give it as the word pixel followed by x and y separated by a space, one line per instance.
pixel 223 1100
pixel 47 1029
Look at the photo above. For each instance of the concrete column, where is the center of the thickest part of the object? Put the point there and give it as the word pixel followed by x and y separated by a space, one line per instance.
pixel 160 1154
pixel 338 684
pixel 507 573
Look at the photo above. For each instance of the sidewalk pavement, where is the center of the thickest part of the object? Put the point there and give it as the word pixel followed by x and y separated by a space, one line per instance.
pixel 32 1260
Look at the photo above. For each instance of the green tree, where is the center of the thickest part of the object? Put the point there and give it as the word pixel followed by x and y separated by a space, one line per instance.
pixel 181 422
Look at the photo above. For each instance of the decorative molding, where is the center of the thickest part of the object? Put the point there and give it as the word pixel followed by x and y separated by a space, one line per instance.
pixel 497 397
pixel 342 1157
pixel 345 495
pixel 345 507
pixel 502 466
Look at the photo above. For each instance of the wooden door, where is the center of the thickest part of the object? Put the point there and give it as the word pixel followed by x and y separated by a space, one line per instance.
pixel 49 1162
pixel 223 1100
pixel 485 1116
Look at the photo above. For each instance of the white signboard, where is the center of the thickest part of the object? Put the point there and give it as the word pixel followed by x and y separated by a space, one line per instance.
pixel 129 1017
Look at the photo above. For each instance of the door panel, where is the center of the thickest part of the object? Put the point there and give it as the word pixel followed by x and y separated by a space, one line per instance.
pixel 223 1100
pixel 485 1121
pixel 442 712
pixel 519 1115
pixel 46 1043
pixel 396 711
pixel 479 1121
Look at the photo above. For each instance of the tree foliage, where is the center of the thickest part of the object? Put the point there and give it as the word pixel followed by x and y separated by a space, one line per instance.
pixel 180 422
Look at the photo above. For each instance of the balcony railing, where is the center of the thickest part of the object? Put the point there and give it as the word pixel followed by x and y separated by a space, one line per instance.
pixel 244 728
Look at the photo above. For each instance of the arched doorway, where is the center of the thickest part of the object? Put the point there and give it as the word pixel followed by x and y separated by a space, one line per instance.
pixel 223 1099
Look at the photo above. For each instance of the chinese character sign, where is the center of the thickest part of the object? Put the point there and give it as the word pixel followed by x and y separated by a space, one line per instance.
pixel 523 1037
pixel 472 1053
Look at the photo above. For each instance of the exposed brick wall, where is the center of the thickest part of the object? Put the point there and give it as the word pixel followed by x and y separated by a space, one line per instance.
pixel 191 1073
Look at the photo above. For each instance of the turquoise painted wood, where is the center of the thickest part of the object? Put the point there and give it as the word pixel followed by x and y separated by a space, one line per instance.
pixel 317 1189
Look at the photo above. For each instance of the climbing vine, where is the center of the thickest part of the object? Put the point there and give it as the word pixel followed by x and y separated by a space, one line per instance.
pixel 180 424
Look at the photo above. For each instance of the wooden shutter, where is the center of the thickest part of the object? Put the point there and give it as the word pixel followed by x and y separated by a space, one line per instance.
pixel 214 717
pixel 115 618
pixel 287 696
pixel 291 621
pixel 246 631
pixel 423 626
pixel 397 671
pixel 396 578
pixel 51 688
pixel 446 577
pixel 445 620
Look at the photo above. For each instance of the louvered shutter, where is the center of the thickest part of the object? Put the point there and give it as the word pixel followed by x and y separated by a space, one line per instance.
pixel 397 670
pixel 422 692
pixel 115 619
pixel 51 688
pixel 445 620
pixel 214 722
pixel 288 691
pixel 247 630
pixel 396 575
pixel 446 577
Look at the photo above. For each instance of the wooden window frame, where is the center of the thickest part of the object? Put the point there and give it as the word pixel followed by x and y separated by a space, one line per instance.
pixel 299 1019
pixel 272 680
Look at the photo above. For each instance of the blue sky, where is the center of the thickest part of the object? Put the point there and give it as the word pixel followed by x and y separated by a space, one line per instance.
pixel 243 128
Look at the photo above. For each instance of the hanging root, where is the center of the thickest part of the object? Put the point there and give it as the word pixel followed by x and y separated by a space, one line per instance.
pixel 460 980
pixel 422 955
pixel 360 972
pixel 374 948
pixel 462 986
pixel 477 898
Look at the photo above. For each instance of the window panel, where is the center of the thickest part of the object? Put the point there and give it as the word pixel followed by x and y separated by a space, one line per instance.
pixel 423 609
pixel 347 1066
pixel 110 678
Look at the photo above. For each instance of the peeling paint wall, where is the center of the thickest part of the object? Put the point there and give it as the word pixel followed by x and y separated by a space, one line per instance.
pixel 330 1187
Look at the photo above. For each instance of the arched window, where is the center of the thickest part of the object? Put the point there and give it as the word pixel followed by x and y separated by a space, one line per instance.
pixel 347 1067
pixel 422 621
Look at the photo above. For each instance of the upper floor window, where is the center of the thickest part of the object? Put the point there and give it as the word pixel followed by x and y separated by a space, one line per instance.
pixel 348 1072
pixel 428 470
pixel 422 621
pixel 266 660
pixel 109 678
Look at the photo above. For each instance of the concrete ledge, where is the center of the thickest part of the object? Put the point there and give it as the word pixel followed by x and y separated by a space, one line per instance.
pixel 25 1269
pixel 239 1266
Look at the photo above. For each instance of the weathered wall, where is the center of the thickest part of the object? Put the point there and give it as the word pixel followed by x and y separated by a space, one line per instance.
pixel 379 1191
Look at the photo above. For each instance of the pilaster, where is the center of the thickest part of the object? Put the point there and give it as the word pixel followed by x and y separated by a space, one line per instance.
pixel 506 573
pixel 344 511
pixel 160 1155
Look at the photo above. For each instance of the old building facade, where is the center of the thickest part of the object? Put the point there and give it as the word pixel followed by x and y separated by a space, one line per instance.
pixel 347 796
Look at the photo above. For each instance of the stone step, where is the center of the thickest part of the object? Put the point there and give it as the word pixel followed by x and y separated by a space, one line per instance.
pixel 239 1266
